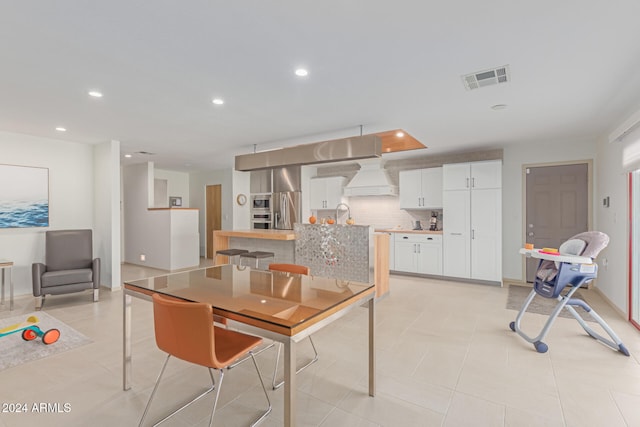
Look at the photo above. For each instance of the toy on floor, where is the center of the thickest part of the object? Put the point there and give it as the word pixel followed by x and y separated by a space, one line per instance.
pixel 30 331
pixel 570 266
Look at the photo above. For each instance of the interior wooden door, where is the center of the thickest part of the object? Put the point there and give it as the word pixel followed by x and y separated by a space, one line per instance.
pixel 557 206
pixel 214 214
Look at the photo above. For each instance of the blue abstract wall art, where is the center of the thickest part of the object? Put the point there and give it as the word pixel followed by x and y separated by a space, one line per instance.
pixel 24 196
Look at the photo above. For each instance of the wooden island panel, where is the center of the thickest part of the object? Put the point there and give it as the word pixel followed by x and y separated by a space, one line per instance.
pixel 221 239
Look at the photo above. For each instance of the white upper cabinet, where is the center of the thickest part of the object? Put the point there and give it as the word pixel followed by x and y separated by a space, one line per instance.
pixel 476 175
pixel 421 188
pixel 326 193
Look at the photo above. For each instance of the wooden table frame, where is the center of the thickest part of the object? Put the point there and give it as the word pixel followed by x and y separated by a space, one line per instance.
pixel 289 337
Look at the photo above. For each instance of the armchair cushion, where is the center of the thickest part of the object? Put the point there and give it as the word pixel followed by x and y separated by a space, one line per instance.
pixel 67 277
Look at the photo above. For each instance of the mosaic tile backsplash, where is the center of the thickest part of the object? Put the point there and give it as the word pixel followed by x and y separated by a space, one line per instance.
pixel 341 251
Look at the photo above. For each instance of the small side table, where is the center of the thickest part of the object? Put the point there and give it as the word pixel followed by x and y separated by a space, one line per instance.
pixel 6 267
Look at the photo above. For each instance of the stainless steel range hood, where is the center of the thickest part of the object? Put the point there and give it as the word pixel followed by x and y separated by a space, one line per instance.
pixel 354 148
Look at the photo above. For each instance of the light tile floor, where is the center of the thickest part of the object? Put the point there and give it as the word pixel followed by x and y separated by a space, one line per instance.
pixel 445 357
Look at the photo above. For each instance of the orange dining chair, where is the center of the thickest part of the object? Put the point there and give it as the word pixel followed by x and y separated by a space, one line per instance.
pixel 297 269
pixel 185 330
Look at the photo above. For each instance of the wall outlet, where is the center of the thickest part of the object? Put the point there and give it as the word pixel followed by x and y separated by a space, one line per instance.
pixel 143 257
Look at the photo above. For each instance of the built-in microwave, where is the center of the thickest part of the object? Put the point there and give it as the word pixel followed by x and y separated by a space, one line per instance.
pixel 259 225
pixel 261 220
pixel 261 202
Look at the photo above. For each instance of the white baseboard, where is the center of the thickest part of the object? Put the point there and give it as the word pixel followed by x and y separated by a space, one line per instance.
pixel 622 313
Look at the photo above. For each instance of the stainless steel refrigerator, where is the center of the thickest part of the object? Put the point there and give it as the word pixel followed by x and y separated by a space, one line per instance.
pixel 287 198
pixel 287 209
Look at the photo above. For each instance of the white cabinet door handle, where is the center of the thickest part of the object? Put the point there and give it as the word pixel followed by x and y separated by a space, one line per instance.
pixel 467 182
pixel 473 182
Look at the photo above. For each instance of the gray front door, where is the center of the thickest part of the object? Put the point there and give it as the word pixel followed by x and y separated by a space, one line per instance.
pixel 557 203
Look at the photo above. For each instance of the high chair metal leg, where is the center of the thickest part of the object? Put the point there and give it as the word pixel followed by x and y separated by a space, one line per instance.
pixel 567 302
pixel 615 342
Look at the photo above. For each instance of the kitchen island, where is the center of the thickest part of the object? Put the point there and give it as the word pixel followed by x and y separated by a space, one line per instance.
pixel 283 244
pixel 280 242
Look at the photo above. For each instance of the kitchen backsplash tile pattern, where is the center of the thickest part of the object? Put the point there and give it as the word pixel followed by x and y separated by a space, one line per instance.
pixel 383 212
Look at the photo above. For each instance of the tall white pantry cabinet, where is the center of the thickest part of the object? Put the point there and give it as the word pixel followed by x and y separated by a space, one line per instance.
pixel 472 226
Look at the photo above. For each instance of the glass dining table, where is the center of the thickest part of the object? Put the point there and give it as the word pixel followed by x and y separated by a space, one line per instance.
pixel 281 306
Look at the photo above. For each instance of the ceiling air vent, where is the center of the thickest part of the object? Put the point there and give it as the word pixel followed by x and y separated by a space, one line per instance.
pixel 484 78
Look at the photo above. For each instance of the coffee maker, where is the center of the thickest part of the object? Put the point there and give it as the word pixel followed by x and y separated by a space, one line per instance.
pixel 433 221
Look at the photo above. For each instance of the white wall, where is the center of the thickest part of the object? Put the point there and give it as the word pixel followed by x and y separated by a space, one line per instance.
pixel 106 193
pixel 512 192
pixel 177 186
pixel 241 214
pixel 613 183
pixel 143 228
pixel 168 238
pixel 71 198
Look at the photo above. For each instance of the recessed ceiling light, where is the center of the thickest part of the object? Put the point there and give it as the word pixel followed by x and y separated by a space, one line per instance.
pixel 399 134
pixel 128 156
pixel 95 94
pixel 301 72
pixel 218 101
pixel 499 107
pixel 61 129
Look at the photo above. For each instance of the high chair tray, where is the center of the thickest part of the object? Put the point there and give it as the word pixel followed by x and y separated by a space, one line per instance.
pixel 573 259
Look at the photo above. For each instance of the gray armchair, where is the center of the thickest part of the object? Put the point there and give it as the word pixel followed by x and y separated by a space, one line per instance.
pixel 69 265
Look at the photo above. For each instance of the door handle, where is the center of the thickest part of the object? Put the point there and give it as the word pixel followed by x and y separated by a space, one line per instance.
pixel 473 234
pixel 456 234
pixel 467 182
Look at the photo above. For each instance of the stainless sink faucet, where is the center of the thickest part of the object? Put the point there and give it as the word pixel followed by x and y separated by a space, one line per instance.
pixel 338 208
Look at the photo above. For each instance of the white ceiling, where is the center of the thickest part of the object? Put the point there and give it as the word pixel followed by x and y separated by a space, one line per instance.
pixel 575 69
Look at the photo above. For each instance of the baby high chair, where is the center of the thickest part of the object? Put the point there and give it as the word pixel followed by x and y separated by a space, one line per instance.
pixel 571 266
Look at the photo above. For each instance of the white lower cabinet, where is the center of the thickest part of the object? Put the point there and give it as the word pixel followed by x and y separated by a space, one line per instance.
pixel 418 253
pixel 472 234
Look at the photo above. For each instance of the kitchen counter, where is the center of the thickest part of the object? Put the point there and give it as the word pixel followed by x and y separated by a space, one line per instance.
pixel 257 234
pixel 398 230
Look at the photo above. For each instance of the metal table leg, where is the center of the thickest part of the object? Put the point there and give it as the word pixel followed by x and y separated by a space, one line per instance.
pixel 10 289
pixel 3 279
pixel 372 349
pixel 126 345
pixel 289 383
